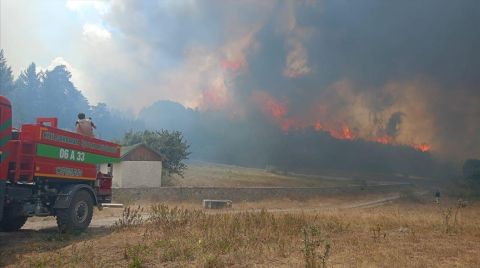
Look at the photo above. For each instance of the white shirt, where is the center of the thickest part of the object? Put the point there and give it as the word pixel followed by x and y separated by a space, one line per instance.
pixel 85 127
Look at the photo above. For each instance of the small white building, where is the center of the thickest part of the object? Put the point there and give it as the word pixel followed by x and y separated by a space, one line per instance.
pixel 140 167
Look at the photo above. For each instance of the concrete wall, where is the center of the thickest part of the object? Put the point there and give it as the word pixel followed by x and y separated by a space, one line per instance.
pixel 137 174
pixel 247 193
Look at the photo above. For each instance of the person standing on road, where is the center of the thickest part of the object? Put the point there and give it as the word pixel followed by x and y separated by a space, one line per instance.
pixel 437 196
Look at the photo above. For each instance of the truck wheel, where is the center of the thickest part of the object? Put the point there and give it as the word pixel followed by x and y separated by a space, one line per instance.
pixel 78 216
pixel 11 220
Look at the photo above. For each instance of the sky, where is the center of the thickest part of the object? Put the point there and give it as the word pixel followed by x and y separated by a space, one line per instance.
pixel 408 70
pixel 108 60
pixel 50 33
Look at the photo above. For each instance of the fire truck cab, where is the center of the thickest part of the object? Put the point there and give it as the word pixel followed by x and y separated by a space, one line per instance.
pixel 47 171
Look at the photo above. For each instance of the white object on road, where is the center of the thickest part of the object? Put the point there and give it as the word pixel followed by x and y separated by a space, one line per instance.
pixel 112 205
pixel 216 204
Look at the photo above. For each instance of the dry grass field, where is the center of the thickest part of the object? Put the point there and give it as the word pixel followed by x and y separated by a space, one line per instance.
pixel 210 174
pixel 354 230
pixel 400 234
pixel 201 173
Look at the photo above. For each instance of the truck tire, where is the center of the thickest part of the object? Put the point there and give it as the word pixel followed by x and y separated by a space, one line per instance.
pixel 78 216
pixel 11 221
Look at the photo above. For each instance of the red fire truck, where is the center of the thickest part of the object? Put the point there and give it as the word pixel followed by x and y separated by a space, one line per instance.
pixel 47 171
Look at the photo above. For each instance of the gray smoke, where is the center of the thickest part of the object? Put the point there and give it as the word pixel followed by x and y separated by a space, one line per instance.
pixel 409 68
pixel 393 125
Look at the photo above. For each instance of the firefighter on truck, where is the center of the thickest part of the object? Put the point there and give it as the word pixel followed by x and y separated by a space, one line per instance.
pixel 47 171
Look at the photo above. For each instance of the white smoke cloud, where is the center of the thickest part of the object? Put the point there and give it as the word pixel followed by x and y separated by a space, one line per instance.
pixel 100 6
pixel 96 33
pixel 79 78
pixel 296 61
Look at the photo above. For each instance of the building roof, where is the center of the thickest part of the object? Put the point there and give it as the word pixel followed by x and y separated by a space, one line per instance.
pixel 127 151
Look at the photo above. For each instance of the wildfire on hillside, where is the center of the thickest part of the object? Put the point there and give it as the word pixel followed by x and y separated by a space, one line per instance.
pixel 278 110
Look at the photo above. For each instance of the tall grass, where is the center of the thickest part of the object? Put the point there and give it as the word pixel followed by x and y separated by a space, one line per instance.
pixel 377 237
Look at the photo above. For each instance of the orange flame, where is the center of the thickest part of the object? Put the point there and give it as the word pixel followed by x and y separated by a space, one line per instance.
pixel 278 111
pixel 347 134
pixel 385 139
pixel 422 147
pixel 344 133
pixel 270 105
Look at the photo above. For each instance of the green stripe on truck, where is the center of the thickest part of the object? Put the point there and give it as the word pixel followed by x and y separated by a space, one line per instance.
pixel 5 125
pixel 5 139
pixel 56 152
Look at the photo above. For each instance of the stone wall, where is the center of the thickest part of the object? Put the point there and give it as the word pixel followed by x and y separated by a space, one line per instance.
pixel 246 193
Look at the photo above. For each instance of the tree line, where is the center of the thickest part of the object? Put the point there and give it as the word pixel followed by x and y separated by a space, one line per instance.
pixel 51 93
pixel 37 93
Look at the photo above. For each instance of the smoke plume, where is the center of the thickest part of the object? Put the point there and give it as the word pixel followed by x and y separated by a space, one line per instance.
pixel 391 72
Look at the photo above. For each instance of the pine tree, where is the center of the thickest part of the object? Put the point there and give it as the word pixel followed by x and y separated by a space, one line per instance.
pixel 27 95
pixel 61 98
pixel 6 77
